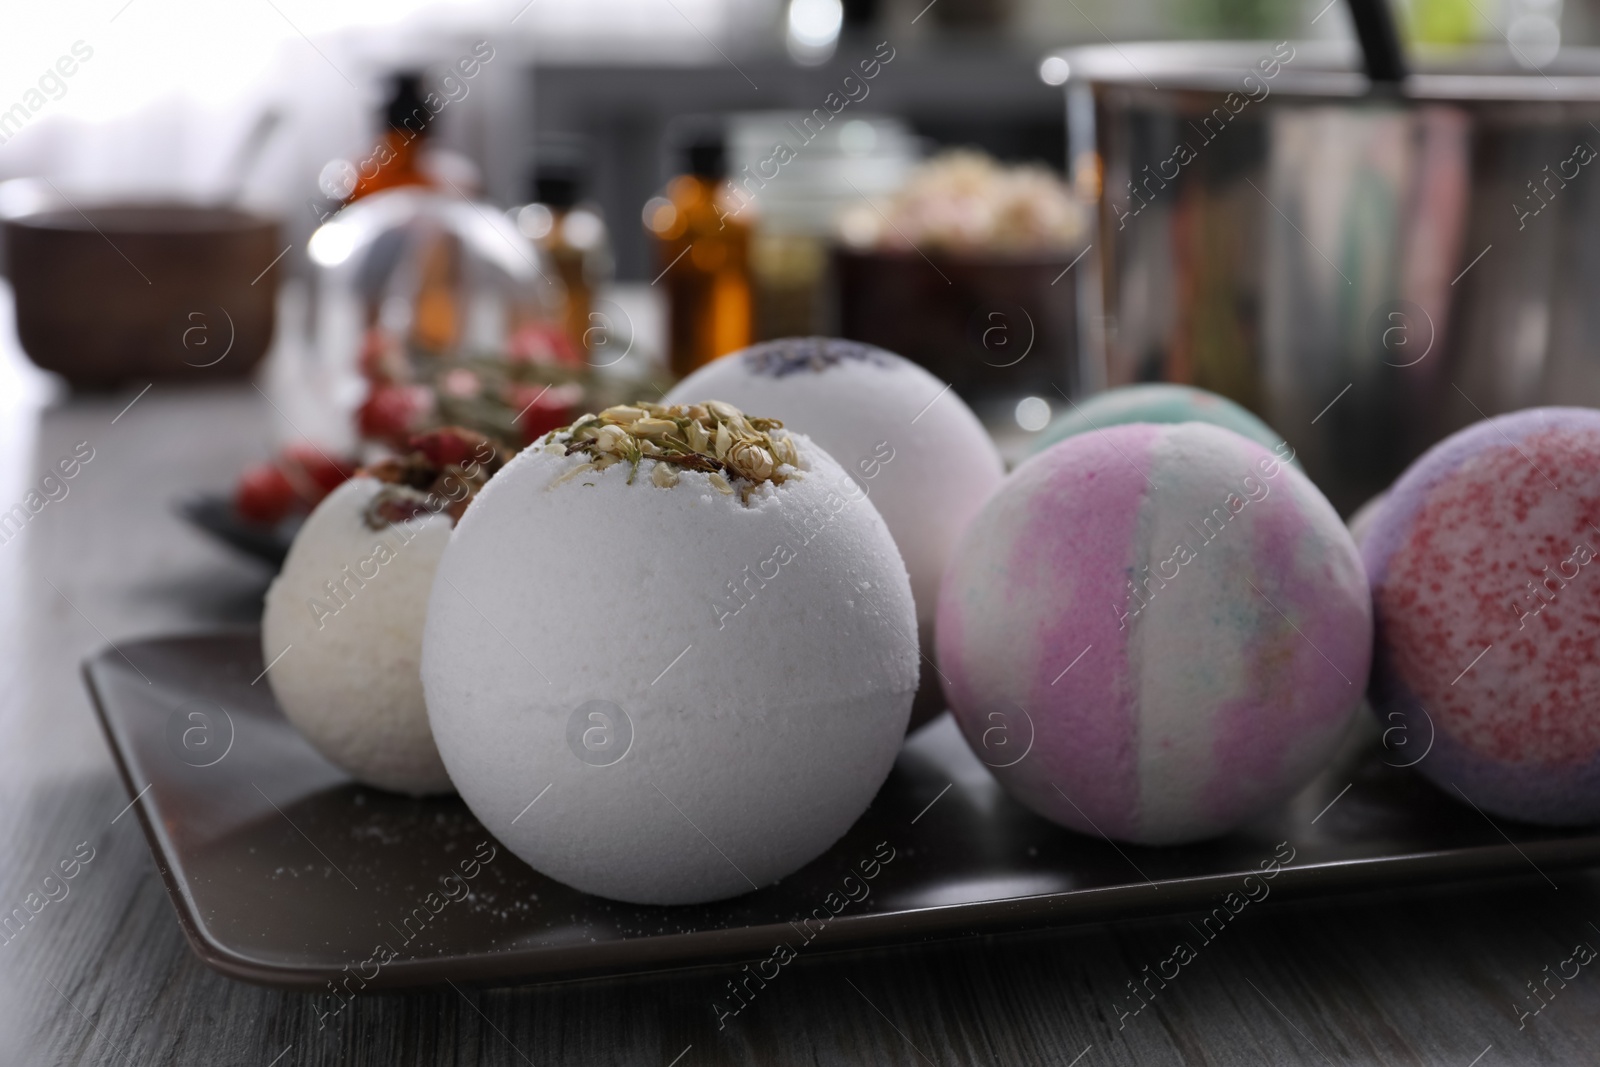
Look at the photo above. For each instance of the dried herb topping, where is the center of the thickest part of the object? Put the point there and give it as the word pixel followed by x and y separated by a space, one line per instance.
pixel 737 452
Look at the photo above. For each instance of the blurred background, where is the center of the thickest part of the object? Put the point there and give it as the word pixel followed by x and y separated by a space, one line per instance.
pixel 389 215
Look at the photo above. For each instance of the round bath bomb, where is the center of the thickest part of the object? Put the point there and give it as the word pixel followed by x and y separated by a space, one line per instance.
pixel 1487 599
pixel 346 612
pixel 351 601
pixel 1155 632
pixel 685 639
pixel 905 437
pixel 1158 402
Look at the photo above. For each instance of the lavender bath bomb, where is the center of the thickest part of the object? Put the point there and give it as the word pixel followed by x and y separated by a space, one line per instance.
pixel 905 437
pixel 670 654
pixel 345 615
pixel 1487 600
pixel 1155 632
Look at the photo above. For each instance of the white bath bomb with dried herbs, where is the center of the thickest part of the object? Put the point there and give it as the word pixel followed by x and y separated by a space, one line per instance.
pixel 349 606
pixel 907 439
pixel 668 685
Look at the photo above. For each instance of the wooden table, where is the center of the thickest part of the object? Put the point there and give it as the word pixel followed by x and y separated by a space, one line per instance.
pixel 103 976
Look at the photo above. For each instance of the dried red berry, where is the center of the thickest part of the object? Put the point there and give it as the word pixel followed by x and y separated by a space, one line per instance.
pixel 391 412
pixel 543 342
pixel 314 473
pixel 389 508
pixel 264 495
pixel 543 408
pixel 448 445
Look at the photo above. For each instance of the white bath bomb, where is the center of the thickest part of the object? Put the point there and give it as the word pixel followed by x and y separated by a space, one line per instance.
pixel 669 694
pixel 349 606
pixel 906 438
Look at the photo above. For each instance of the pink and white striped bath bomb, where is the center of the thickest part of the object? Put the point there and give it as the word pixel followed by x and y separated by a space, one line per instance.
pixel 1155 632
pixel 1487 598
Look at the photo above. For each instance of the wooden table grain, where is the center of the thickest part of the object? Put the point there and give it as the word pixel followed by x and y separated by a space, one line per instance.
pixel 1436 976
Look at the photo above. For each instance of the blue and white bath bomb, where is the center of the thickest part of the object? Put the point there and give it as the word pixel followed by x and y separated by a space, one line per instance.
pixel 1158 402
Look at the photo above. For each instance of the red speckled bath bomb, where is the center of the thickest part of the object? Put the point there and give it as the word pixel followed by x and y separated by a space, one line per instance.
pixel 1486 593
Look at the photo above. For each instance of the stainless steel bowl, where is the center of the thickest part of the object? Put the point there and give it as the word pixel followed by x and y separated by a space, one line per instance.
pixel 1367 271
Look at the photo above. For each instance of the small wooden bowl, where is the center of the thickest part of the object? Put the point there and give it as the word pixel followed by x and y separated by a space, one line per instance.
pixel 126 293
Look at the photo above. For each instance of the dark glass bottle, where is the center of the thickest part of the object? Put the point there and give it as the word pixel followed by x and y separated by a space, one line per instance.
pixel 704 258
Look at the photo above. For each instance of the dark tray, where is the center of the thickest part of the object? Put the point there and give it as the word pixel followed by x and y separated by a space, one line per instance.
pixel 282 871
pixel 213 513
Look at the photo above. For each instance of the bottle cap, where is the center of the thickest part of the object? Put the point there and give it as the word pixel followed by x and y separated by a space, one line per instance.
pixel 707 157
pixel 405 109
pixel 555 187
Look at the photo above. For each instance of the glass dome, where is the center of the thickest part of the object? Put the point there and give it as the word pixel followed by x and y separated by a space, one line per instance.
pixel 431 308
pixel 445 274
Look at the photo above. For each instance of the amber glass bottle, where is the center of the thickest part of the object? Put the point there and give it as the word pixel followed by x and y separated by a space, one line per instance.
pixel 396 157
pixel 436 310
pixel 395 162
pixel 573 234
pixel 704 259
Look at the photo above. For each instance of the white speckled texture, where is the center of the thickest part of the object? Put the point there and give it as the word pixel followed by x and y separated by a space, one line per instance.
pixel 758 735
pixel 944 465
pixel 351 683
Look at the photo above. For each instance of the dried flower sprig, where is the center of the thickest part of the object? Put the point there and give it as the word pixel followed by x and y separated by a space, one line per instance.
pixel 441 472
pixel 716 438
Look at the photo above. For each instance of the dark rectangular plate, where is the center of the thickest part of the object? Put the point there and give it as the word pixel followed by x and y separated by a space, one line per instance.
pixel 285 872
